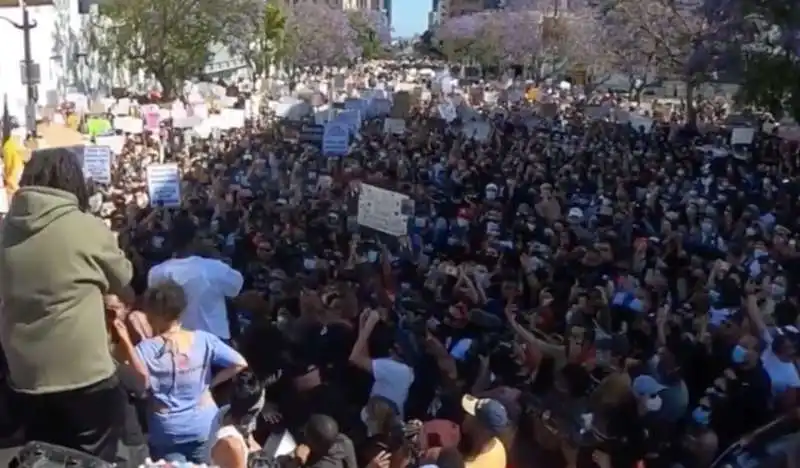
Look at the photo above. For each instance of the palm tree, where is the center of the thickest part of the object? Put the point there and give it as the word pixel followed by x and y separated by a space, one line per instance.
pixel 270 39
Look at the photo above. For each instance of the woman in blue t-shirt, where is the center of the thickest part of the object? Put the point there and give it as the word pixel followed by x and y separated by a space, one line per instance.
pixel 179 376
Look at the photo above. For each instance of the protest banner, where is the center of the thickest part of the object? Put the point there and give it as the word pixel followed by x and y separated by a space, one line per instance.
pixel 384 210
pixel 97 163
pixel 164 185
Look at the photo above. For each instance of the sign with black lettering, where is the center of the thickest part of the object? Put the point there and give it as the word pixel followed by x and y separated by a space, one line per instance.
pixel 312 134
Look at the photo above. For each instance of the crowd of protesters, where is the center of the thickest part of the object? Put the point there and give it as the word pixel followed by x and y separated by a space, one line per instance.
pixel 577 293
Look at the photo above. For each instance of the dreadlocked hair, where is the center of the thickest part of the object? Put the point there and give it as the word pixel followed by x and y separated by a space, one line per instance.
pixel 57 168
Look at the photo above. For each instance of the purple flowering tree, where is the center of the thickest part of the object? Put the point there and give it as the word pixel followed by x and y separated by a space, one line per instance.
pixel 515 36
pixel 373 33
pixel 318 35
pixel 460 37
pixel 686 38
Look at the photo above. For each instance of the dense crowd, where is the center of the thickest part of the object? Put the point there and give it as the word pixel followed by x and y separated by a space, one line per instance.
pixel 570 292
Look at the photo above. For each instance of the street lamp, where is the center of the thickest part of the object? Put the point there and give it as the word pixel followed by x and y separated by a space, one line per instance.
pixel 29 70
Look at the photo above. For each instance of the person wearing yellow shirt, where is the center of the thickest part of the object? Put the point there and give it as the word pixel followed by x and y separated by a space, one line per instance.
pixel 486 419
pixel 12 165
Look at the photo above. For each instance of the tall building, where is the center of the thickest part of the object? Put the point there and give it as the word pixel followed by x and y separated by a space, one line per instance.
pixel 387 8
pixel 378 5
pixel 465 7
pixel 332 3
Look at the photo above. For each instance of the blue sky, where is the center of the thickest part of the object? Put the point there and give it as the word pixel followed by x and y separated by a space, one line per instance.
pixel 410 17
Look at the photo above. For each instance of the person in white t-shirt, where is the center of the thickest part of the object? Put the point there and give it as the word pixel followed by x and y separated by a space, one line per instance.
pixel 778 361
pixel 207 282
pixel 393 377
pixel 230 439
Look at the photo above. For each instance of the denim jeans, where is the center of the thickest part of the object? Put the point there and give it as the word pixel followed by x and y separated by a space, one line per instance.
pixel 192 452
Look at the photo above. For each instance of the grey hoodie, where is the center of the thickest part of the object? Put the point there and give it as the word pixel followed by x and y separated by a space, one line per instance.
pixel 56 263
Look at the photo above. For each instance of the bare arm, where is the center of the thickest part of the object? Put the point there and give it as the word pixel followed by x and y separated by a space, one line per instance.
pixel 226 454
pixel 359 355
pixel 557 351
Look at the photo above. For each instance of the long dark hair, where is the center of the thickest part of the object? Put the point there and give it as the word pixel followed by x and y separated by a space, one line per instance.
pixel 57 168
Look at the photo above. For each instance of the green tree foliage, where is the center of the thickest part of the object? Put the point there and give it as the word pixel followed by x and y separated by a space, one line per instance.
pixel 259 36
pixel 168 39
pixel 771 58
pixel 372 34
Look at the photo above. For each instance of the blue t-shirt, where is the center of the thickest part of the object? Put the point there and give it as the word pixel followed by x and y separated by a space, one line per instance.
pixel 178 382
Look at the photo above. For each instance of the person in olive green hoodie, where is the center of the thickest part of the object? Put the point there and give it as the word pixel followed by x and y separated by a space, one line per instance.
pixel 56 263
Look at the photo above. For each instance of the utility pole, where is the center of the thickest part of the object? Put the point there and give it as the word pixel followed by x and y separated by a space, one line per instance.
pixel 29 70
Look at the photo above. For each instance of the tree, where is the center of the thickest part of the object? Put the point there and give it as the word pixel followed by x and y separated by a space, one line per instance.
pixel 372 32
pixel 584 48
pixel 319 35
pixel 460 38
pixel 258 37
pixel 686 38
pixel 770 58
pixel 429 46
pixel 167 39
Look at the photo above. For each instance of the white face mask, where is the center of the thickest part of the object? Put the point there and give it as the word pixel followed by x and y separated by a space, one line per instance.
pixel 491 194
pixel 653 403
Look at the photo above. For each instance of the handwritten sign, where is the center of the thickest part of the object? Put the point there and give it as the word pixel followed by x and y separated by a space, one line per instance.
pixel 164 185
pixel 384 210
pixel 97 163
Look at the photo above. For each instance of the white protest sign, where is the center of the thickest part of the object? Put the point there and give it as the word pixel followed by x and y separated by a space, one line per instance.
pixel 187 122
pixel 203 129
pixel 97 163
pixel 336 139
pixel 177 110
pixel 129 124
pixel 742 135
pixel 384 210
pixel 394 126
pixel 228 101
pixel 200 110
pixel 164 185
pixel 231 118
pixel 122 107
pixel 114 142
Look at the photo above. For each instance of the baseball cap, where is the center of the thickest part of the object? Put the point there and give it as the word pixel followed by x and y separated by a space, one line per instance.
pixel 490 413
pixel 644 385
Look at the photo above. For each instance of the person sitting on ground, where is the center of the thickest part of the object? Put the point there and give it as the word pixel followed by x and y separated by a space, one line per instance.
pixel 231 437
pixel 325 446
